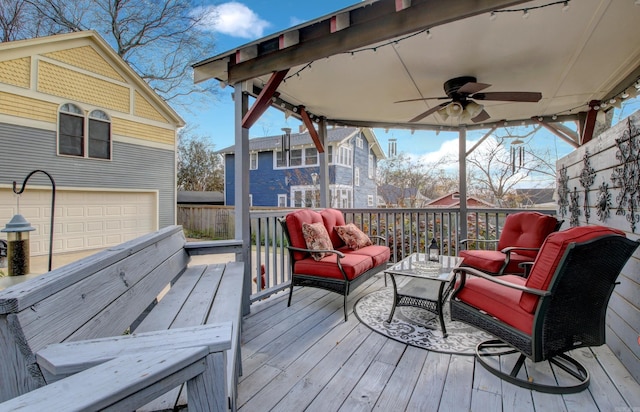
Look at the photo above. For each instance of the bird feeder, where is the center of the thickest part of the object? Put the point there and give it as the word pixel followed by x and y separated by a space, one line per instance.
pixel 18 245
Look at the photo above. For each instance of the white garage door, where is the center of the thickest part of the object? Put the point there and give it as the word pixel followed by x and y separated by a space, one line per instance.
pixel 84 219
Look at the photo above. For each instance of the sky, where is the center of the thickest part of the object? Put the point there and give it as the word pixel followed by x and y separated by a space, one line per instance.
pixel 239 22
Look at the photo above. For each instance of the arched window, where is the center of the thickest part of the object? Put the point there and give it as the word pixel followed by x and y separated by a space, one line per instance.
pixel 71 130
pixel 76 137
pixel 99 135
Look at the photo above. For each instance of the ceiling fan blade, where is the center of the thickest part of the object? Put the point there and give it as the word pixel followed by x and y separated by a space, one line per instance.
pixel 472 87
pixel 428 112
pixel 481 117
pixel 531 97
pixel 423 98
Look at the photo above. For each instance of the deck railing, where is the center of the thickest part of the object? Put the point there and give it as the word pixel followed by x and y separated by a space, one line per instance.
pixel 406 230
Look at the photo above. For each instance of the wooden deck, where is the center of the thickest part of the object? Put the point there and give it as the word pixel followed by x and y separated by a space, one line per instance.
pixel 307 357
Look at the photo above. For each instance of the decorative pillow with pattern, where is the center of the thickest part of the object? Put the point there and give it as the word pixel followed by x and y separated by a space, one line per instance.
pixel 353 237
pixel 316 238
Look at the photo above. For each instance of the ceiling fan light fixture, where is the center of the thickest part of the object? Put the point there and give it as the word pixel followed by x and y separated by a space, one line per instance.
pixel 474 109
pixel 454 109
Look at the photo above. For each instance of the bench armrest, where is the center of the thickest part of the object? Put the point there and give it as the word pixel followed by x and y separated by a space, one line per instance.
pixel 129 382
pixel 63 359
pixel 209 247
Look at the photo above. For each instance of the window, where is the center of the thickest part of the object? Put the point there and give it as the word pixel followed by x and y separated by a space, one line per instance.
pixel 344 156
pixel 370 171
pixel 359 143
pixel 282 200
pixel 250 200
pixel 253 161
pixel 297 158
pixel 305 196
pixel 369 200
pixel 99 135
pixel 310 156
pixel 83 139
pixel 356 178
pixel 341 197
pixel 71 130
pixel 329 154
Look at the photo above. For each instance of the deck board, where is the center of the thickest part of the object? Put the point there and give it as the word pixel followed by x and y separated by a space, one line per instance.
pixel 307 358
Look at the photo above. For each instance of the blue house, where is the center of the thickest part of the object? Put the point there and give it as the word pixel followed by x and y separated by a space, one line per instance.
pixel 290 178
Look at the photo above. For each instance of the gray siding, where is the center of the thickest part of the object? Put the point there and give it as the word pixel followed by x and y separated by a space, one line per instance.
pixel 24 149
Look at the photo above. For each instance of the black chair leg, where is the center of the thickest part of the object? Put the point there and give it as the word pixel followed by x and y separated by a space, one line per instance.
pixel 496 348
pixel 290 294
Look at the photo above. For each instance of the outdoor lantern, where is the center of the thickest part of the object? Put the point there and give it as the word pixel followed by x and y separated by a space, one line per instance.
pixel 433 250
pixel 18 245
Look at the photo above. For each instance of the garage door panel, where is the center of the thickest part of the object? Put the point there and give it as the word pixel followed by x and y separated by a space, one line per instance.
pixel 83 220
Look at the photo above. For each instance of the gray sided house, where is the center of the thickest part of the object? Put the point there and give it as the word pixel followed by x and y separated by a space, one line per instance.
pixel 290 178
pixel 69 105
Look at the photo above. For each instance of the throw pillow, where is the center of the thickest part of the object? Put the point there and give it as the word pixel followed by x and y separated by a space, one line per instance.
pixel 353 237
pixel 317 238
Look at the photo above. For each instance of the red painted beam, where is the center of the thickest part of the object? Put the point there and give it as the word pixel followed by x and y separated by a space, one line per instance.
pixel 312 130
pixel 590 123
pixel 263 101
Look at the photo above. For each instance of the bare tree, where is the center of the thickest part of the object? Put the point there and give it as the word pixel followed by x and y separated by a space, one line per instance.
pixel 495 168
pixel 199 167
pixel 12 19
pixel 159 39
pixel 405 178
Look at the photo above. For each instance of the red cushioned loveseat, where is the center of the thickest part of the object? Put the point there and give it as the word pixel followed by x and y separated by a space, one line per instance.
pixel 342 269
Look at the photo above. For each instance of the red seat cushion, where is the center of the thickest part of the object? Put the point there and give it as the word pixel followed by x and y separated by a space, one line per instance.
pixel 491 261
pixel 379 254
pixel 353 265
pixel 294 222
pixel 498 301
pixel 551 254
pixel 526 229
pixel 331 219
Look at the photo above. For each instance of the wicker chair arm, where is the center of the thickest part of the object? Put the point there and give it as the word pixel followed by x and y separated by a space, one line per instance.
pixel 384 239
pixel 297 249
pixel 510 249
pixel 465 241
pixel 463 271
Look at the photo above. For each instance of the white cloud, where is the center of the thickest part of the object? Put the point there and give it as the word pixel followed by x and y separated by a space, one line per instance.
pixel 448 151
pixel 233 19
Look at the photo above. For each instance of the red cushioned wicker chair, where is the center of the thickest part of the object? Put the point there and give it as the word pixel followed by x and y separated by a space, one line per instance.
pixel 561 305
pixel 342 269
pixel 520 241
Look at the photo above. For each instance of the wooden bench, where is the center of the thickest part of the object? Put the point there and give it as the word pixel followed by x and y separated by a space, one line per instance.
pixel 55 327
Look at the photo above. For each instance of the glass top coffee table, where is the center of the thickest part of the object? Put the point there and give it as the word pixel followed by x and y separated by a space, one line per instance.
pixel 429 287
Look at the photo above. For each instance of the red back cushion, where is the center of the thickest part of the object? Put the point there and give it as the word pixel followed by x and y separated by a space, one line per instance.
pixel 294 226
pixel 526 229
pixel 550 255
pixel 331 219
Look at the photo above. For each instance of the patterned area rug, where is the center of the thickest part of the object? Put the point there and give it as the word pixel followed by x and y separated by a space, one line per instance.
pixel 417 327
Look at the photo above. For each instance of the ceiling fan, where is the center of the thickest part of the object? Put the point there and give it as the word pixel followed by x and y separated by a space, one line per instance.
pixel 462 91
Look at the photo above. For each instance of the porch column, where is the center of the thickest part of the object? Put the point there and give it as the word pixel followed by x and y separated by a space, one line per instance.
pixel 323 161
pixel 462 164
pixel 241 169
